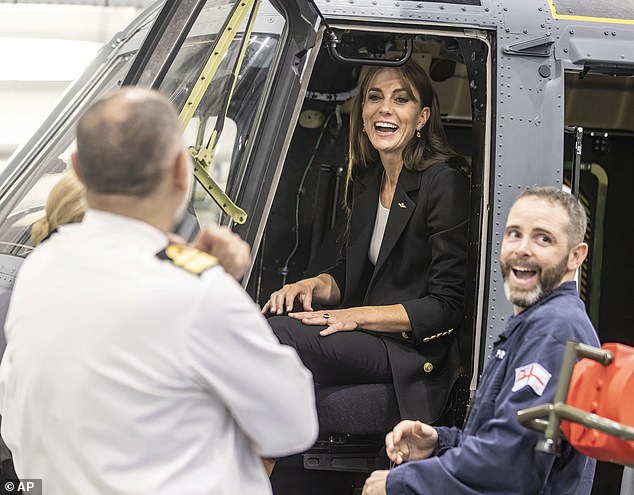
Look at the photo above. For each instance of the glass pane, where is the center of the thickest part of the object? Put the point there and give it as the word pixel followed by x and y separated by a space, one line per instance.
pixel 24 203
pixel 231 112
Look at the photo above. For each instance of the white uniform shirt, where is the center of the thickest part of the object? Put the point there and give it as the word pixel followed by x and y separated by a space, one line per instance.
pixel 125 374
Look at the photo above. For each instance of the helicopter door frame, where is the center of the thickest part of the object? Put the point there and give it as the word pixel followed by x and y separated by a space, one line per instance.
pixel 478 272
pixel 482 189
pixel 279 109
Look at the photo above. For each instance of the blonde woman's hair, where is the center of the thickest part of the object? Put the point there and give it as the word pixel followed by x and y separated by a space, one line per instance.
pixel 65 204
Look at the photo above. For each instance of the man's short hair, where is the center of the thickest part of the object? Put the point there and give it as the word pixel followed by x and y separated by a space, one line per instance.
pixel 577 220
pixel 126 141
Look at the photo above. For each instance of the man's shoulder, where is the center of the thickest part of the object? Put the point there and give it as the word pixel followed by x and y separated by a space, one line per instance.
pixel 561 318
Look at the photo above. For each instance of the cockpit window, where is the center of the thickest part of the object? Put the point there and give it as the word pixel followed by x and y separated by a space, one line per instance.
pixel 36 175
pixel 229 104
pixel 222 75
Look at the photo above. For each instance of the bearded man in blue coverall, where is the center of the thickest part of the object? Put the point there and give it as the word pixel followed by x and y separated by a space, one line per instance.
pixel 542 248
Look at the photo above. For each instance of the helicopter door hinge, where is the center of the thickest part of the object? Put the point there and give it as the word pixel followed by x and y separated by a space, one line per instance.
pixel 536 47
pixel 203 158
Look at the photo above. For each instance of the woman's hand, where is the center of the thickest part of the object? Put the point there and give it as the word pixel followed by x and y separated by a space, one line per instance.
pixel 378 318
pixel 338 320
pixel 321 289
pixel 410 441
pixel 283 299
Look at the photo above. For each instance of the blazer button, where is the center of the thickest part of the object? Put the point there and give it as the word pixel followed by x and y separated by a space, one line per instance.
pixel 405 335
pixel 428 367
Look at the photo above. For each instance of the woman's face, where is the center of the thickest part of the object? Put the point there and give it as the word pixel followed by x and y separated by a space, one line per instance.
pixel 391 115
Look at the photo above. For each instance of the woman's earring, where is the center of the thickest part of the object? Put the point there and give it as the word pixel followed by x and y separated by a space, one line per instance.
pixel 363 128
pixel 418 133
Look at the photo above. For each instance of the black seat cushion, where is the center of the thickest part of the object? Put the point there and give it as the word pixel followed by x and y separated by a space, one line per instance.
pixel 366 409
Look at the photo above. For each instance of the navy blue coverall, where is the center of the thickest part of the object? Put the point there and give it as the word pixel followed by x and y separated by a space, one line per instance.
pixel 495 454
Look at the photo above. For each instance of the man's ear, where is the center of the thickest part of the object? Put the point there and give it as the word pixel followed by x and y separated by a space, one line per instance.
pixel 577 255
pixel 75 166
pixel 182 170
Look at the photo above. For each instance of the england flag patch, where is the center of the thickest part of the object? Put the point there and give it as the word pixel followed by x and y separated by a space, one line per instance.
pixel 534 375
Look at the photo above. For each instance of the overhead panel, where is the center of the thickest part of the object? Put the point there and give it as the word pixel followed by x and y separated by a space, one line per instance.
pixel 459 2
pixel 619 11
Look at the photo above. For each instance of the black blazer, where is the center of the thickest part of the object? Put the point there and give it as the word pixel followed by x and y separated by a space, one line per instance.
pixel 421 265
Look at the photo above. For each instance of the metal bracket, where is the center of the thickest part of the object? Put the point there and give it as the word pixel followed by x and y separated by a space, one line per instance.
pixel 536 47
pixel 202 157
pixel 358 463
pixel 576 163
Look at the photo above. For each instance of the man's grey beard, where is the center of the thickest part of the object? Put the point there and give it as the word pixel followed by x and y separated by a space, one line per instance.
pixel 526 300
pixel 548 281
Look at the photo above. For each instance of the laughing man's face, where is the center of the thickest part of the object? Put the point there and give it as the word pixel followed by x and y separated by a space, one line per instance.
pixel 535 253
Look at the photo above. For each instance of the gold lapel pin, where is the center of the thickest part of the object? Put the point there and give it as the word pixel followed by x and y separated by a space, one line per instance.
pixel 402 205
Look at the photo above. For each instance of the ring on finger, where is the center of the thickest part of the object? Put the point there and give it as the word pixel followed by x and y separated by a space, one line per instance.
pixel 326 316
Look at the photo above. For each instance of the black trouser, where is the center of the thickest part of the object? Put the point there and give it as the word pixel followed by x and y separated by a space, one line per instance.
pixel 343 358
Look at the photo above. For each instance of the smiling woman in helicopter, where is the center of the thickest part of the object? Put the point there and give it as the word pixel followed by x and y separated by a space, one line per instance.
pixel 397 291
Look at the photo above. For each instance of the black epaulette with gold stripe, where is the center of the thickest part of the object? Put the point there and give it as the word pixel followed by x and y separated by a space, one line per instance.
pixel 188 258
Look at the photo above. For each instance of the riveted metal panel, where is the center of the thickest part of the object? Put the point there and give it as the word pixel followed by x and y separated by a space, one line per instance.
pixel 528 151
pixel 526 18
pixel 485 14
pixel 461 2
pixel 581 44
